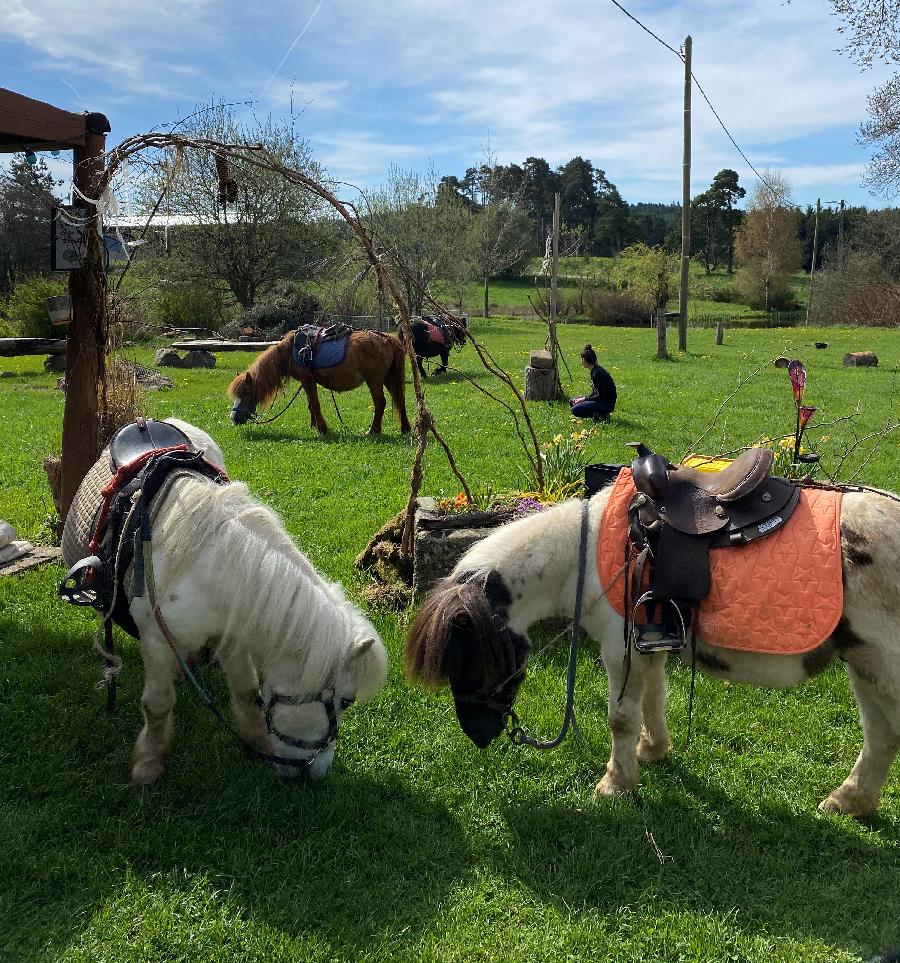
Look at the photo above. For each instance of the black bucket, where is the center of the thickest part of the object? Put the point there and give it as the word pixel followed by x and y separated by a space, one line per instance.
pixel 599 476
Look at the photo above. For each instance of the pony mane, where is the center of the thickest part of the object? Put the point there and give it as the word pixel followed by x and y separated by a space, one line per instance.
pixel 455 615
pixel 269 590
pixel 266 376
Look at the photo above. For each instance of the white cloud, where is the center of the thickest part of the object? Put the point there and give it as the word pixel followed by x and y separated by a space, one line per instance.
pixel 412 80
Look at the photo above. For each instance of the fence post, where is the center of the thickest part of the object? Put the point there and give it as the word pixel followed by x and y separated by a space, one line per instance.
pixel 720 332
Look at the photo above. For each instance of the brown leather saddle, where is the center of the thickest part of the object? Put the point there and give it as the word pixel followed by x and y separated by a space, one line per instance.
pixel 677 515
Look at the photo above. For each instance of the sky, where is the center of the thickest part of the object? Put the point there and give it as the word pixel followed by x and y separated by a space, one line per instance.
pixel 436 85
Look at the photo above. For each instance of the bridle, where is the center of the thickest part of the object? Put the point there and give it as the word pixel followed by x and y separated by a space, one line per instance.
pixel 325 699
pixel 514 730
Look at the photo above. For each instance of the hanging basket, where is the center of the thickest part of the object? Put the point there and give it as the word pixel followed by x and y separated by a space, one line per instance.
pixel 60 309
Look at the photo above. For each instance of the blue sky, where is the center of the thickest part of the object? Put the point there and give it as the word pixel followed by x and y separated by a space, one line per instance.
pixel 434 84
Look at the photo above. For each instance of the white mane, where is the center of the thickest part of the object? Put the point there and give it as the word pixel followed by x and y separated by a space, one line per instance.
pixel 270 598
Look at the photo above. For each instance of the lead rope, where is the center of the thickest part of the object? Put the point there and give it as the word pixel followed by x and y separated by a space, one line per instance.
pixel 268 421
pixel 517 735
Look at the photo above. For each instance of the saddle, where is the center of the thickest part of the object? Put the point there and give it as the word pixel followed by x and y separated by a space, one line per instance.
pixel 677 516
pixel 309 338
pixel 140 461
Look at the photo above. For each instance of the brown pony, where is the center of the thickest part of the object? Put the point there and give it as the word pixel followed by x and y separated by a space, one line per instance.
pixel 372 357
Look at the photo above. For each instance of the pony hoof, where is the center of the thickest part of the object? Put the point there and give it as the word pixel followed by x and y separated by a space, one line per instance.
pixel 609 788
pixel 848 802
pixel 147 772
pixel 648 751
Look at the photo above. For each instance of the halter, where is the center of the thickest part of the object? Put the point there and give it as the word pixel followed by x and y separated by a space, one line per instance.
pixel 325 699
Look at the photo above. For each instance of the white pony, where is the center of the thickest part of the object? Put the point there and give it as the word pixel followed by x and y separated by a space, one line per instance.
pixel 228 577
pixel 472 631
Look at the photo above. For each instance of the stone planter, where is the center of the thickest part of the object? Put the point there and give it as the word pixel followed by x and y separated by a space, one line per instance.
pixel 441 540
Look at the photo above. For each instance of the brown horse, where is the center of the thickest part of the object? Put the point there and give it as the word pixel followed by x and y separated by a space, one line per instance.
pixel 372 357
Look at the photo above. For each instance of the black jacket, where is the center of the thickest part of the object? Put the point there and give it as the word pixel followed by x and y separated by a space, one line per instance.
pixel 604 388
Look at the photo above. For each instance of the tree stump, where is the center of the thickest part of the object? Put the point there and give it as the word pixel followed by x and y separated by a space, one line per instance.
pixel 861 359
pixel 540 384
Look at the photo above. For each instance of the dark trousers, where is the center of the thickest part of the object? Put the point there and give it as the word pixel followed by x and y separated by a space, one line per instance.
pixel 591 409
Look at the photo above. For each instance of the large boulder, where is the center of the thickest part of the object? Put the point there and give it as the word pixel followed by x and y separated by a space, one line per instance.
pixel 167 358
pixel 199 359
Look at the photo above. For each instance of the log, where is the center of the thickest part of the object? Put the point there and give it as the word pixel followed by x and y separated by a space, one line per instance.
pixel 541 359
pixel 14 347
pixel 540 384
pixel 214 345
pixel 862 359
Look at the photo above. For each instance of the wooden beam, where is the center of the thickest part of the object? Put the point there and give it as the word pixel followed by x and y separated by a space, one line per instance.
pixel 16 347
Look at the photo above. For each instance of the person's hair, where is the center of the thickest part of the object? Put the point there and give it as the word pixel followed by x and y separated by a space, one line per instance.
pixel 588 354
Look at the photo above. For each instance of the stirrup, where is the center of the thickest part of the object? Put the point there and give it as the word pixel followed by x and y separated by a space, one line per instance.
pixel 651 637
pixel 76 588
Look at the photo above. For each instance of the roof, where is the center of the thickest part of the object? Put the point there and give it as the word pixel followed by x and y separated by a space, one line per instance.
pixel 26 123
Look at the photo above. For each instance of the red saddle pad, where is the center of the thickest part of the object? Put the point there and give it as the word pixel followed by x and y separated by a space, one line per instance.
pixel 779 595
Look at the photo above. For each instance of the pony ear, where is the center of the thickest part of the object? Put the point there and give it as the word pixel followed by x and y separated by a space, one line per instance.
pixel 359 648
pixel 368 662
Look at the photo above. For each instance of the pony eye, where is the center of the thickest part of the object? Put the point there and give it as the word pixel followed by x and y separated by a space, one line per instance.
pixel 346 703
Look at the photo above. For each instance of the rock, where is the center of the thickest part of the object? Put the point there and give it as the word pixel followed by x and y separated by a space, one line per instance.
pixel 167 358
pixel 541 359
pixel 199 359
pixel 541 384
pixel 14 550
pixel 7 534
pixel 861 359
pixel 55 362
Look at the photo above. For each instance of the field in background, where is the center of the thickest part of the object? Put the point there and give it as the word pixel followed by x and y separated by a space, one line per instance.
pixel 418 846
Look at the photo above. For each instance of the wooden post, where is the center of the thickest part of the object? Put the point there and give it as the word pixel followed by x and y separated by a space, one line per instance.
pixel 554 293
pixel 662 350
pixel 812 267
pixel 87 333
pixel 685 203
pixel 720 331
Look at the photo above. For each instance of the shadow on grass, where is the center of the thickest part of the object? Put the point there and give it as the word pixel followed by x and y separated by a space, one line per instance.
pixel 772 869
pixel 354 858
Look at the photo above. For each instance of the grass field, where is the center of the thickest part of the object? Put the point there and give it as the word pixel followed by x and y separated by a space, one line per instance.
pixel 418 846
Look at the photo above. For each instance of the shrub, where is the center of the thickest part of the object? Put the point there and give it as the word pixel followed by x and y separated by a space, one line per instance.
pixel 189 304
pixel 286 308
pixel 26 309
pixel 614 308
pixel 874 305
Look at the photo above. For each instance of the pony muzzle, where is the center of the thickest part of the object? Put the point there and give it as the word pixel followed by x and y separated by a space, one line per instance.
pixel 482 722
pixel 241 413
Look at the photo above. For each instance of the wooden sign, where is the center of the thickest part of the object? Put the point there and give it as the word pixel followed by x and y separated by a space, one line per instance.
pixel 68 238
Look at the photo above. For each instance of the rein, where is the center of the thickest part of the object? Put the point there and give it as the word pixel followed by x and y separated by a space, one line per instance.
pixel 268 421
pixel 517 735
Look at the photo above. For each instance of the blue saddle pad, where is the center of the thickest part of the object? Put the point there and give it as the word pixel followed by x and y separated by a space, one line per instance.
pixel 330 353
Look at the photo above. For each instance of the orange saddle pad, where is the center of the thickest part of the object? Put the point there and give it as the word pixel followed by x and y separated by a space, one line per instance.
pixel 779 595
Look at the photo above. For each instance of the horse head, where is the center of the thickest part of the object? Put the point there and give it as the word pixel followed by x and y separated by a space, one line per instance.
pixel 462 635
pixel 242 393
pixel 260 383
pixel 303 728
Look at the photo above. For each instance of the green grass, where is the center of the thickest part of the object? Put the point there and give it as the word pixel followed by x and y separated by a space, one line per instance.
pixel 418 846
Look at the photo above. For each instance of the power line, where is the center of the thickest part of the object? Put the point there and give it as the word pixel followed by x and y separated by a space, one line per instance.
pixel 647 29
pixel 680 56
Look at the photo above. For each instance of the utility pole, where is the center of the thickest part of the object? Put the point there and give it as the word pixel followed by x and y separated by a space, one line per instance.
pixel 841 235
pixel 685 203
pixel 812 267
